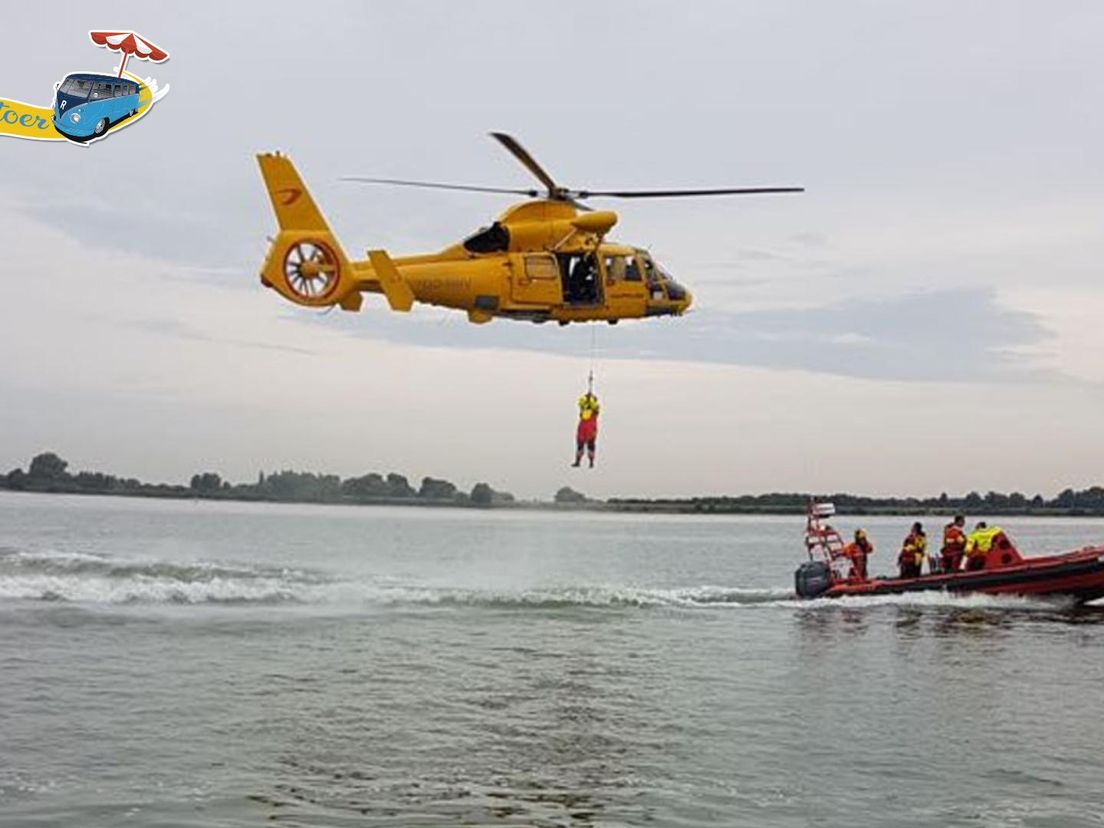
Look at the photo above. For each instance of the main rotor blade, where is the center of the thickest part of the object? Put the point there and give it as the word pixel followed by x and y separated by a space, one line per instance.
pixel 525 158
pixel 434 185
pixel 679 193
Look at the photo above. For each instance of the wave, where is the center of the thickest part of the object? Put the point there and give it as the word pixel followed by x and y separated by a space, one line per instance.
pixel 88 578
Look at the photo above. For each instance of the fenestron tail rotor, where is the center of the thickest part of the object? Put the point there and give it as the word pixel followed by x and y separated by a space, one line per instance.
pixel 554 192
pixel 311 269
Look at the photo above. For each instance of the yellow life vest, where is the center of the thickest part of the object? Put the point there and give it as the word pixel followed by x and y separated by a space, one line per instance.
pixel 981 540
pixel 588 407
pixel 917 546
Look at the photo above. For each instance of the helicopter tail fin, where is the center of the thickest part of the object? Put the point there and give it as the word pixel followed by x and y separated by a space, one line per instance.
pixel 291 200
pixel 305 262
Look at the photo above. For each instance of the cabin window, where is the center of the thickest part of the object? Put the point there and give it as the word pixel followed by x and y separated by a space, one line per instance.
pixel 540 267
pixel 493 239
pixel 615 269
pixel 101 90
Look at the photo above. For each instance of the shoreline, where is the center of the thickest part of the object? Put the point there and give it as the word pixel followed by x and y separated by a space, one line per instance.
pixel 703 507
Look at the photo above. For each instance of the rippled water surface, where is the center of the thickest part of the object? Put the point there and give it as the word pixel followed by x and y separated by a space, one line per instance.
pixel 201 664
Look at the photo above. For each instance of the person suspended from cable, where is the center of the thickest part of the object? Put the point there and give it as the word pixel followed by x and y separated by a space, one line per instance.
pixel 586 434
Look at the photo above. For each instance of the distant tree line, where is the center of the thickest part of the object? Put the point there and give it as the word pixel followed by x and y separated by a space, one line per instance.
pixel 48 472
pixel 568 496
pixel 1068 502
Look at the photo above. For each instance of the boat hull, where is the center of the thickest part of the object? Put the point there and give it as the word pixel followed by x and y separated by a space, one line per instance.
pixel 1077 575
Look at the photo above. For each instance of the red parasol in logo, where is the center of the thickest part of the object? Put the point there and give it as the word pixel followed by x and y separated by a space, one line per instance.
pixel 129 43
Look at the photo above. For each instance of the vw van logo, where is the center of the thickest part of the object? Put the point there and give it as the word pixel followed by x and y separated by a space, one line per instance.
pixel 63 103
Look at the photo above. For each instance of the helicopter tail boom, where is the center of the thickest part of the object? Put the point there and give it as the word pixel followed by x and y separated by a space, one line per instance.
pixel 305 263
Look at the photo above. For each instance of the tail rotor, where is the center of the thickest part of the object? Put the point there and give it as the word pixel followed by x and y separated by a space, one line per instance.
pixel 305 262
pixel 311 270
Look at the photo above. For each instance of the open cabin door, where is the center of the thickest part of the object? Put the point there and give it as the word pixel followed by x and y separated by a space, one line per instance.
pixel 582 279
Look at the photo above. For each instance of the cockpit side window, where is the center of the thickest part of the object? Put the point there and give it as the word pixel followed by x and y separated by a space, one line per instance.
pixel 675 291
pixel 653 277
pixel 632 270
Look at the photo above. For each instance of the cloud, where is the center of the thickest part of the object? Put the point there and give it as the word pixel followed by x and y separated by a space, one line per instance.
pixel 185 236
pixel 958 335
pixel 175 329
pixel 940 335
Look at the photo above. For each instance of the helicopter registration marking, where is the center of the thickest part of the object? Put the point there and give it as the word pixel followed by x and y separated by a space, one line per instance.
pixel 442 283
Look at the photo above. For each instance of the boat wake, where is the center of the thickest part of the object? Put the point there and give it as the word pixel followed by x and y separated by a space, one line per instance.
pixel 93 579
pixel 99 580
pixel 587 596
pixel 945 600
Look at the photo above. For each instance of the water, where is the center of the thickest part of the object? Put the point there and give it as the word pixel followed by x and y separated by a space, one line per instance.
pixel 199 664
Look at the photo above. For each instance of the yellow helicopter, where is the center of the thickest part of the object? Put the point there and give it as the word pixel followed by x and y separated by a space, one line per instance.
pixel 543 259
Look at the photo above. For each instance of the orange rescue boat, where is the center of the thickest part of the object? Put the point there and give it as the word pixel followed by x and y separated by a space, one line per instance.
pixel 830 573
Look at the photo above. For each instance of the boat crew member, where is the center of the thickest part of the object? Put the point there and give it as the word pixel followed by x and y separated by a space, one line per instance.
pixel 954 544
pixel 586 435
pixel 857 552
pixel 979 543
pixel 913 551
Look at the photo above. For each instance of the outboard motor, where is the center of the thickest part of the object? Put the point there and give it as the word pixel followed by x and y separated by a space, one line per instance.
pixel 812 579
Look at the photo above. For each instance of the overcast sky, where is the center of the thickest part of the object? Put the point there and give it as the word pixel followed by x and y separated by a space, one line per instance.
pixel 926 318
